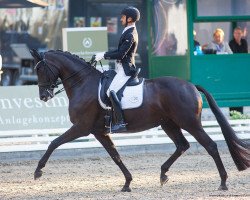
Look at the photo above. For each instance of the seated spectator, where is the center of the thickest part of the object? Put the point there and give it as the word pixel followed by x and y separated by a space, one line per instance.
pixel 238 44
pixel 196 43
pixel 218 43
pixel 198 48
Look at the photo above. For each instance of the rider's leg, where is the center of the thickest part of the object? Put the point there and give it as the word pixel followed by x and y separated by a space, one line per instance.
pixel 120 125
pixel 118 82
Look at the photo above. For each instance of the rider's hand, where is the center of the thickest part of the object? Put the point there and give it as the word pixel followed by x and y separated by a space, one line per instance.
pixel 99 56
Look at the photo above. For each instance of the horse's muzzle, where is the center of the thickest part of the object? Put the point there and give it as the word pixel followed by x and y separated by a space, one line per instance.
pixel 46 95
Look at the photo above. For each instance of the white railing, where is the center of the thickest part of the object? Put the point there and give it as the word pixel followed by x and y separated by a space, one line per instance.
pixel 33 140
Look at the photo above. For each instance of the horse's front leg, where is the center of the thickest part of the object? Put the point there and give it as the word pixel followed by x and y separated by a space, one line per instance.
pixel 107 143
pixel 73 133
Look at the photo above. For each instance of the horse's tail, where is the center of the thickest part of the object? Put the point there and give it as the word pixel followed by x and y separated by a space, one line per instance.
pixel 239 149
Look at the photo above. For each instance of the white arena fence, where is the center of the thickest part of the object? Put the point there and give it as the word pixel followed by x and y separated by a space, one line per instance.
pixel 35 140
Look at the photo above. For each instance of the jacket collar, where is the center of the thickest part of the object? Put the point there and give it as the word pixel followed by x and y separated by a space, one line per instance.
pixel 128 27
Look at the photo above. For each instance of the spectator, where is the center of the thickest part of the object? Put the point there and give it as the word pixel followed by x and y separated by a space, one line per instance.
pixel 218 43
pixel 196 43
pixel 238 44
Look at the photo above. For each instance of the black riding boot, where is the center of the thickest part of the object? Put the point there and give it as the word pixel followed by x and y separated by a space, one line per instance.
pixel 120 125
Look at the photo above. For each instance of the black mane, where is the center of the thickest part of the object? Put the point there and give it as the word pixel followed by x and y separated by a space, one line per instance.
pixel 70 56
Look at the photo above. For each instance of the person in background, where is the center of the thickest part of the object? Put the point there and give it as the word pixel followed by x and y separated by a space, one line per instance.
pixel 196 43
pixel 238 44
pixel 197 46
pixel 218 44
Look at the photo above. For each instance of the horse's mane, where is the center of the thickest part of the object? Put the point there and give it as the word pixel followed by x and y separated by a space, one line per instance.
pixel 71 56
pixel 75 59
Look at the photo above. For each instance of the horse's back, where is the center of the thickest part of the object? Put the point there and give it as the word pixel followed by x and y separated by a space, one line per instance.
pixel 170 84
pixel 173 95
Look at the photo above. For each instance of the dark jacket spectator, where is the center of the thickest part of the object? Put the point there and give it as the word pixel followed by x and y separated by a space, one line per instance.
pixel 238 44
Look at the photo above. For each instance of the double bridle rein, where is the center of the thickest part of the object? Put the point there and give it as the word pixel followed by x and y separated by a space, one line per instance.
pixel 54 84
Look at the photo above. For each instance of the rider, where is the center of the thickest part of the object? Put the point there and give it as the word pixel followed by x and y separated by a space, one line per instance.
pixel 125 62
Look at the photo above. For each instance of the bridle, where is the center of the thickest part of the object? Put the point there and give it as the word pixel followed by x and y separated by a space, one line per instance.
pixel 54 84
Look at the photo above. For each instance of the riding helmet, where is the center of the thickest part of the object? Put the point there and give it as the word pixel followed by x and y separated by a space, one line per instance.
pixel 132 12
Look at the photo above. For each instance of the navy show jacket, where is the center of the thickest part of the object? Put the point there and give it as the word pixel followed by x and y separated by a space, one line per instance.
pixel 126 51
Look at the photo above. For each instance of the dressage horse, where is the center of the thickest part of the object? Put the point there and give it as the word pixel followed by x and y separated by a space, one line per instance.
pixel 168 102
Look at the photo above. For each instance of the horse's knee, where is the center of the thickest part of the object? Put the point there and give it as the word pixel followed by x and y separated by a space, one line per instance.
pixel 186 146
pixel 212 148
pixel 183 147
pixel 53 145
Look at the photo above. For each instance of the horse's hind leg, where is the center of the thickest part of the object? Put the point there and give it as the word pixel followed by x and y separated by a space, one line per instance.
pixel 71 134
pixel 211 147
pixel 107 143
pixel 175 134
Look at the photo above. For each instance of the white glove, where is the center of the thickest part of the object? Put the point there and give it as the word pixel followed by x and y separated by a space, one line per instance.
pixel 99 56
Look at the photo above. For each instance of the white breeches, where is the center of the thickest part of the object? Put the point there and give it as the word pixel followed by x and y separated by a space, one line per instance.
pixel 119 80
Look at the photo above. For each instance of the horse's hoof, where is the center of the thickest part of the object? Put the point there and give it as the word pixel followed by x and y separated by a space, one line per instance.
pixel 126 189
pixel 223 187
pixel 163 179
pixel 38 174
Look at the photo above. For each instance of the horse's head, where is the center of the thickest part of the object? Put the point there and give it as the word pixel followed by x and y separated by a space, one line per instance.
pixel 47 77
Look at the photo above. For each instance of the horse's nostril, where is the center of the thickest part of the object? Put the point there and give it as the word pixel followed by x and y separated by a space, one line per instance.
pixel 42 97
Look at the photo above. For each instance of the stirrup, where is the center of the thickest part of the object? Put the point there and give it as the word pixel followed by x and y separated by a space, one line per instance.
pixel 119 128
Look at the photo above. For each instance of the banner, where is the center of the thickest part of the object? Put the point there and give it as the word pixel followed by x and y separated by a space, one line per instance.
pixel 86 41
pixel 22 109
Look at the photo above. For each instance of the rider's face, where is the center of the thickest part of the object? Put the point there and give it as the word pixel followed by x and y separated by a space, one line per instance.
pixel 123 20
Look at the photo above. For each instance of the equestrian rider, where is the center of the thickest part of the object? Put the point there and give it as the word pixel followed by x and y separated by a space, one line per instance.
pixel 125 62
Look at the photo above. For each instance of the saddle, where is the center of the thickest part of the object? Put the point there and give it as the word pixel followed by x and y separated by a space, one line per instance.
pixel 130 95
pixel 105 82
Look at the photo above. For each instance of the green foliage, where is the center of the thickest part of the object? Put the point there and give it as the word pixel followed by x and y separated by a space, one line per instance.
pixel 237 115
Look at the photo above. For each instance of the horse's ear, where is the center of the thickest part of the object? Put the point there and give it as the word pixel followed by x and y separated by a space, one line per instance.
pixel 35 54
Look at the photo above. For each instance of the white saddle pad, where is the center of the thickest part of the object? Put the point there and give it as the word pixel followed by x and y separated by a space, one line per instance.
pixel 132 97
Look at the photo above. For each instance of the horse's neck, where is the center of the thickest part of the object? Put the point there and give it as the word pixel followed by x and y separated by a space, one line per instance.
pixel 76 78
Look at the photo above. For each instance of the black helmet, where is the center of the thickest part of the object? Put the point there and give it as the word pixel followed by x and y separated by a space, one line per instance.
pixel 132 12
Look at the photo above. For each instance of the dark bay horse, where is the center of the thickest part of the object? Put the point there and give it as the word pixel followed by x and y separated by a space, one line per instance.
pixel 169 102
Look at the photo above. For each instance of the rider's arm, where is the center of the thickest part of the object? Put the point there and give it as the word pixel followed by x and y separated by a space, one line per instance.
pixel 123 50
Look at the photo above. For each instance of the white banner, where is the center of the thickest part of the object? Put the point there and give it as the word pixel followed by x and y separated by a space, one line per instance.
pixel 22 109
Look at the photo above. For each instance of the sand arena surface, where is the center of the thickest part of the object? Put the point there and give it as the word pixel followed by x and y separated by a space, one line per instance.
pixel 191 177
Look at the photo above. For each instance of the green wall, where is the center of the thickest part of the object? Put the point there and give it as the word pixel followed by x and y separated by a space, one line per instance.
pixel 169 66
pixel 226 77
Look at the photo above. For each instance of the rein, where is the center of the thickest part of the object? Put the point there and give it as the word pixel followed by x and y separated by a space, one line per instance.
pixel 52 85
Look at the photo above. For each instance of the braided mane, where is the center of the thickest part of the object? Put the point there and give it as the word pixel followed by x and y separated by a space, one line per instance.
pixel 70 56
